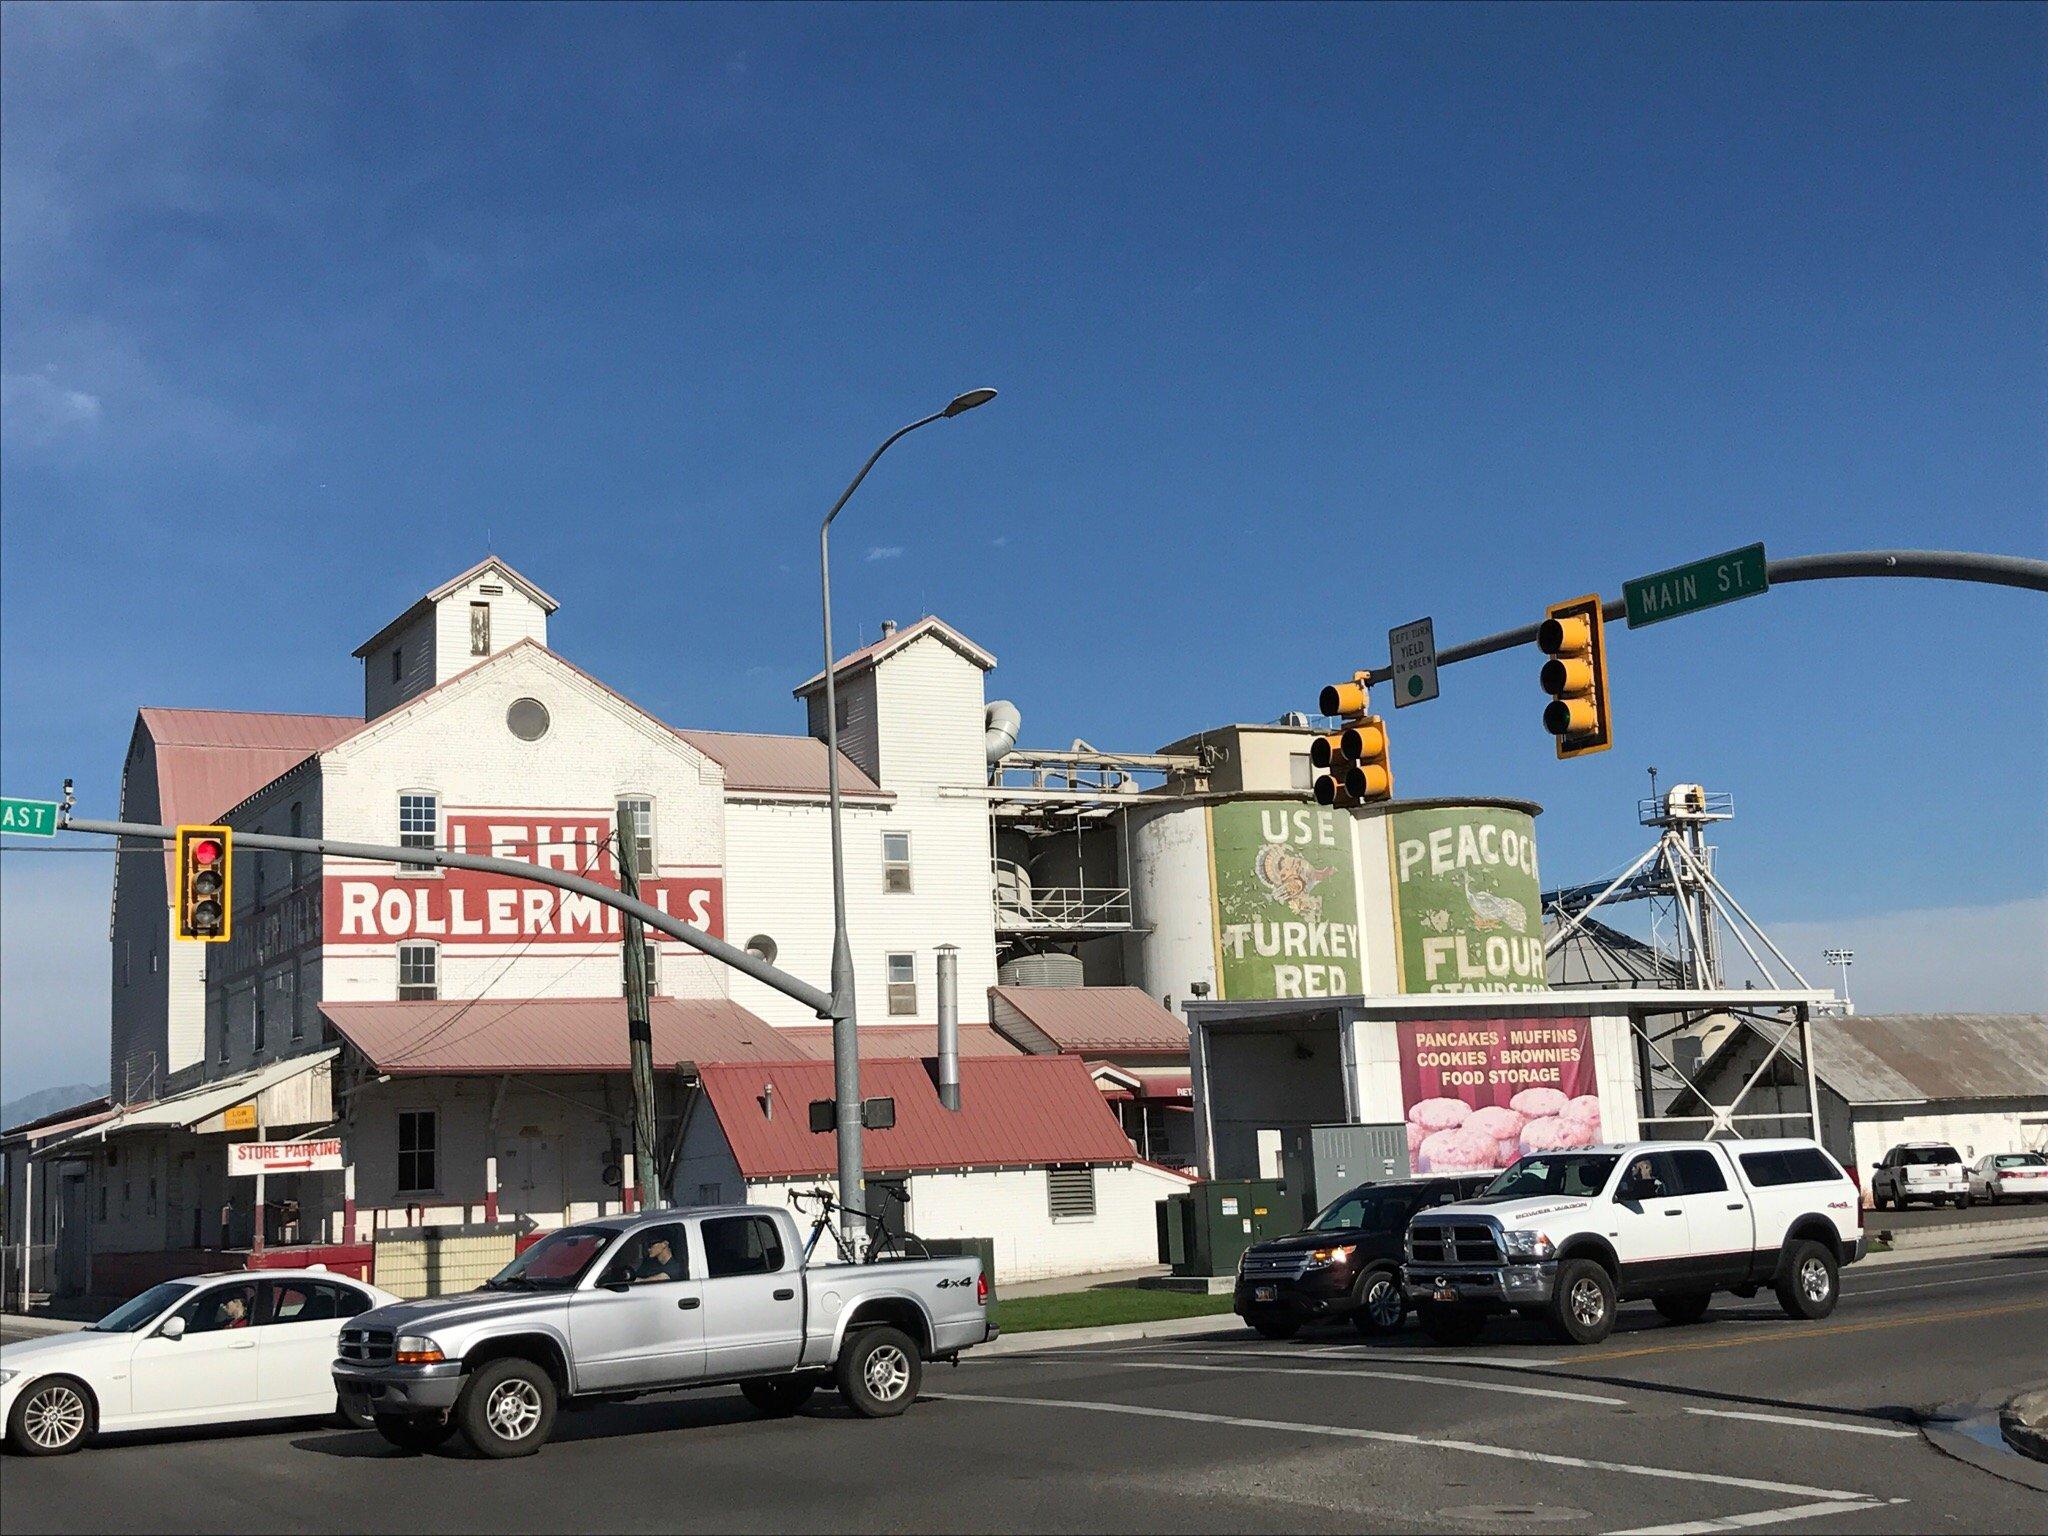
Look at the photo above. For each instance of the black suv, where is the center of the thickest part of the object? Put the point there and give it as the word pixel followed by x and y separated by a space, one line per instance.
pixel 1348 1262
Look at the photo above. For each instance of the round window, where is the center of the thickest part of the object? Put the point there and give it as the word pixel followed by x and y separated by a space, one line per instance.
pixel 527 719
pixel 762 947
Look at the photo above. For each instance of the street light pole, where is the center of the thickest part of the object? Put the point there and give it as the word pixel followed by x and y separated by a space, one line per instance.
pixel 845 1040
pixel 1841 960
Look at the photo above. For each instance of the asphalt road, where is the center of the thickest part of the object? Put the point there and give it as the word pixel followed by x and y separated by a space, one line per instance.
pixel 1747 1421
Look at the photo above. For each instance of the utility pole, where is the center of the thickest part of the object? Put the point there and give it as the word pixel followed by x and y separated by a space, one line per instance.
pixel 639 1032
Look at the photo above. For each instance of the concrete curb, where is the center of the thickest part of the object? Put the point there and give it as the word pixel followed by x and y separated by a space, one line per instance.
pixel 1974 1245
pixel 2020 1229
pixel 2024 1422
pixel 15 1322
pixel 1114 1333
pixel 1969 1432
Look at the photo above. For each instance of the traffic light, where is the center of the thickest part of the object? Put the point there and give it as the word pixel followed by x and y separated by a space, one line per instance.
pixel 1580 713
pixel 204 874
pixel 1354 759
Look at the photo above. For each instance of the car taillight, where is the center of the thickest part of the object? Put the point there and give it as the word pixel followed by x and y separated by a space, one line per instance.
pixel 981 1290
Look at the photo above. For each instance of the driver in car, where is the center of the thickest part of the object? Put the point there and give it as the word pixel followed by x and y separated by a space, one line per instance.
pixel 659 1263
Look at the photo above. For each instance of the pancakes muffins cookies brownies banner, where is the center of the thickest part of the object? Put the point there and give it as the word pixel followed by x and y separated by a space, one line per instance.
pixel 1480 1093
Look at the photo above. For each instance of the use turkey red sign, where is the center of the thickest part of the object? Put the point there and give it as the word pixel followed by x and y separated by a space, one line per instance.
pixel 462 906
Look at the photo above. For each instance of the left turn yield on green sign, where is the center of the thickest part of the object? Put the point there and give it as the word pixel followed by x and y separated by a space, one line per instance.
pixel 36 818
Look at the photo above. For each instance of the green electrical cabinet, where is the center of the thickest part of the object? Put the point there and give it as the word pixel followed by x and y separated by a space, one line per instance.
pixel 1206 1231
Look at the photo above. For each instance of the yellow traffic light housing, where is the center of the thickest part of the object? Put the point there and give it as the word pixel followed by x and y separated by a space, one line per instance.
pixel 1580 711
pixel 1354 759
pixel 205 905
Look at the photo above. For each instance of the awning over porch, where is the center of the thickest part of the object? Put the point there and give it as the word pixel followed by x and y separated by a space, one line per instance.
pixel 282 1092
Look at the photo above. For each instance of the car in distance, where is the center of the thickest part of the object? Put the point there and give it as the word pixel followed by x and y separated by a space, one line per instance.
pixel 1565 1236
pixel 225 1348
pixel 2000 1176
pixel 657 1301
pixel 1345 1263
pixel 1919 1170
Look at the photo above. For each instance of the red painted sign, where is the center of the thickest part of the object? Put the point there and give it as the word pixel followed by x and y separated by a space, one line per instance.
pixel 1482 1092
pixel 463 906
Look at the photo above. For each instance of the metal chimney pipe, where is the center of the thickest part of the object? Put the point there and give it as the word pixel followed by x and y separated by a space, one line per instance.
pixel 949 1026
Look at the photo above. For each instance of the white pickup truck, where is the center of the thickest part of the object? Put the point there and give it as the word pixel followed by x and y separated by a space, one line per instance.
pixel 656 1302
pixel 1567 1236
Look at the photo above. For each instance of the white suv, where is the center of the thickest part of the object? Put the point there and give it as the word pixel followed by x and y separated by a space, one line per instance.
pixel 1919 1170
pixel 1565 1236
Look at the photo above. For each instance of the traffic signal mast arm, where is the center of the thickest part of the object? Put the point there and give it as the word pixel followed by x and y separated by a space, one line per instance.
pixel 1926 564
pixel 740 960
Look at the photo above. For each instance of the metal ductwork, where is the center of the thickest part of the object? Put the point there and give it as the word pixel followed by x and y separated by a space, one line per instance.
pixel 1000 722
pixel 949 1026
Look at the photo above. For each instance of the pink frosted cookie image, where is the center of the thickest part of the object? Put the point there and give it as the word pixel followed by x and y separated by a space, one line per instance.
pixel 1539 1103
pixel 1458 1150
pixel 1585 1110
pixel 1555 1134
pixel 1439 1114
pixel 1503 1125
pixel 1416 1137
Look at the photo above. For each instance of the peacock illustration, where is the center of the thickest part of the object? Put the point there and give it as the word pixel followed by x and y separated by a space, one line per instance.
pixel 1490 910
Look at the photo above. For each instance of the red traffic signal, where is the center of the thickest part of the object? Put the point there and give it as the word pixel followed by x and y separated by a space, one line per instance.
pixel 203 910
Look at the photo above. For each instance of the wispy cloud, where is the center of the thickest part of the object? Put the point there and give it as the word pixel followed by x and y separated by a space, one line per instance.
pixel 884 552
pixel 36 410
pixel 1000 541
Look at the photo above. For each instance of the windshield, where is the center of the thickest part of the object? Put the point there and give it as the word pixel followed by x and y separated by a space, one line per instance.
pixel 2022 1160
pixel 139 1310
pixel 1918 1155
pixel 555 1263
pixel 1367 1212
pixel 1570 1173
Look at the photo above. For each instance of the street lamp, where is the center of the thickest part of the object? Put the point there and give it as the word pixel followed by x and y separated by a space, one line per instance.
pixel 845 1040
pixel 1841 959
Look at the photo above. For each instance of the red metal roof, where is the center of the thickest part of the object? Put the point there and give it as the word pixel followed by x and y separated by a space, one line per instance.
pixel 75 1117
pixel 551 1034
pixel 1089 1020
pixel 792 765
pixel 903 1041
pixel 1015 1112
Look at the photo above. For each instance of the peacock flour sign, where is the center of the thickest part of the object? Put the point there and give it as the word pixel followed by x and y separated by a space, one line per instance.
pixel 1467 906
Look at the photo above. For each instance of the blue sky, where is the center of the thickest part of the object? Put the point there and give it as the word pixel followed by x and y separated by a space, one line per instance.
pixel 1307 323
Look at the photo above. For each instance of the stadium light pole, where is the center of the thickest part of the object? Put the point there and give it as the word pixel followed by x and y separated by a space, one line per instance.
pixel 845 1041
pixel 1841 959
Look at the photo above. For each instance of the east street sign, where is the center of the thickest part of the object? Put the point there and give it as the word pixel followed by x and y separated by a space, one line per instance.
pixel 36 818
pixel 1689 588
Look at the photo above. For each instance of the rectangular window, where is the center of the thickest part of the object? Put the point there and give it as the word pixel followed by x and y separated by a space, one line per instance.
pixel 1798 1165
pixel 419 973
pixel 1699 1173
pixel 896 862
pixel 479 629
pixel 903 984
pixel 149 1203
pixel 256 1035
pixel 419 820
pixel 289 982
pixel 1070 1192
pixel 397 662
pixel 638 812
pixel 1301 774
pixel 298 829
pixel 653 970
pixel 256 863
pixel 741 1245
pixel 419 1135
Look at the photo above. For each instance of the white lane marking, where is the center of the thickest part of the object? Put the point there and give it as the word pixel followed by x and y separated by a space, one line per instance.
pixel 1458 1383
pixel 1929 1285
pixel 1756 1517
pixel 1806 1423
pixel 1395 1437
pixel 1334 1352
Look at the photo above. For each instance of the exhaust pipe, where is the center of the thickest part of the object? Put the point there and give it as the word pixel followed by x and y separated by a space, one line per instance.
pixel 949 1026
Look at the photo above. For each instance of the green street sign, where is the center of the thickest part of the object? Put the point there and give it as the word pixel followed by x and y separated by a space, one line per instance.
pixel 1688 588
pixel 36 818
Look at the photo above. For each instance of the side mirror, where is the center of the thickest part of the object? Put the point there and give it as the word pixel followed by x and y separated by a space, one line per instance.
pixel 173 1328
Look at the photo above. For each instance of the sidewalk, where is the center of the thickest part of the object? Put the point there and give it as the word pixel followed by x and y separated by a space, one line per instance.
pixel 1060 1285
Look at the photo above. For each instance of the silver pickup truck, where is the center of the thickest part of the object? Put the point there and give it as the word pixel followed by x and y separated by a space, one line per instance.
pixel 656 1302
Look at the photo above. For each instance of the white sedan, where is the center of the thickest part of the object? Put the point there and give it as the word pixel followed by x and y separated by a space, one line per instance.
pixel 211 1349
pixel 1998 1176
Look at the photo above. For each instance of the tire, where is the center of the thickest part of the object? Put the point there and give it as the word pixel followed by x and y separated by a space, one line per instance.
pixel 507 1408
pixel 1382 1305
pixel 1879 1202
pixel 779 1396
pixel 352 1418
pixel 1275 1325
pixel 879 1371
pixel 1808 1287
pixel 52 1417
pixel 412 1433
pixel 1449 1322
pixel 1687 1308
pixel 1966 1201
pixel 1582 1311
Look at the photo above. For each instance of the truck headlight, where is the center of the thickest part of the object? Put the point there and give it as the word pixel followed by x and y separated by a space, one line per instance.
pixel 1528 1245
pixel 416 1349
pixel 1336 1255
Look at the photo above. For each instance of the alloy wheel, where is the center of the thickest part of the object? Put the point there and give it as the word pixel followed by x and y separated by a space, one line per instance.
pixel 1383 1303
pixel 886 1373
pixel 1813 1280
pixel 53 1417
pixel 1589 1305
pixel 513 1409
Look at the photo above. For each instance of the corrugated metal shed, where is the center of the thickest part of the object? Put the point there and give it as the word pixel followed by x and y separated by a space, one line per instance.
pixel 1886 1058
pixel 1086 1020
pixel 1015 1112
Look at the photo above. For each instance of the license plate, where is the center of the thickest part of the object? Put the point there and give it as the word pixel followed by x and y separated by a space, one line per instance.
pixel 1443 1293
pixel 1263 1293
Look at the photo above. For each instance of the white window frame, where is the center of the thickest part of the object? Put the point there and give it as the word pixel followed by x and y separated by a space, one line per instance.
pixel 433 1120
pixel 434 953
pixel 891 866
pixel 901 992
pixel 408 839
pixel 653 967
pixel 634 797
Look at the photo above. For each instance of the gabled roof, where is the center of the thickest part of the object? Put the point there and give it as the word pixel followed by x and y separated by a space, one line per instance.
pixel 1015 1112
pixel 868 655
pixel 59 1121
pixel 1871 1058
pixel 547 604
pixel 813 1042
pixel 1085 1020
pixel 779 765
